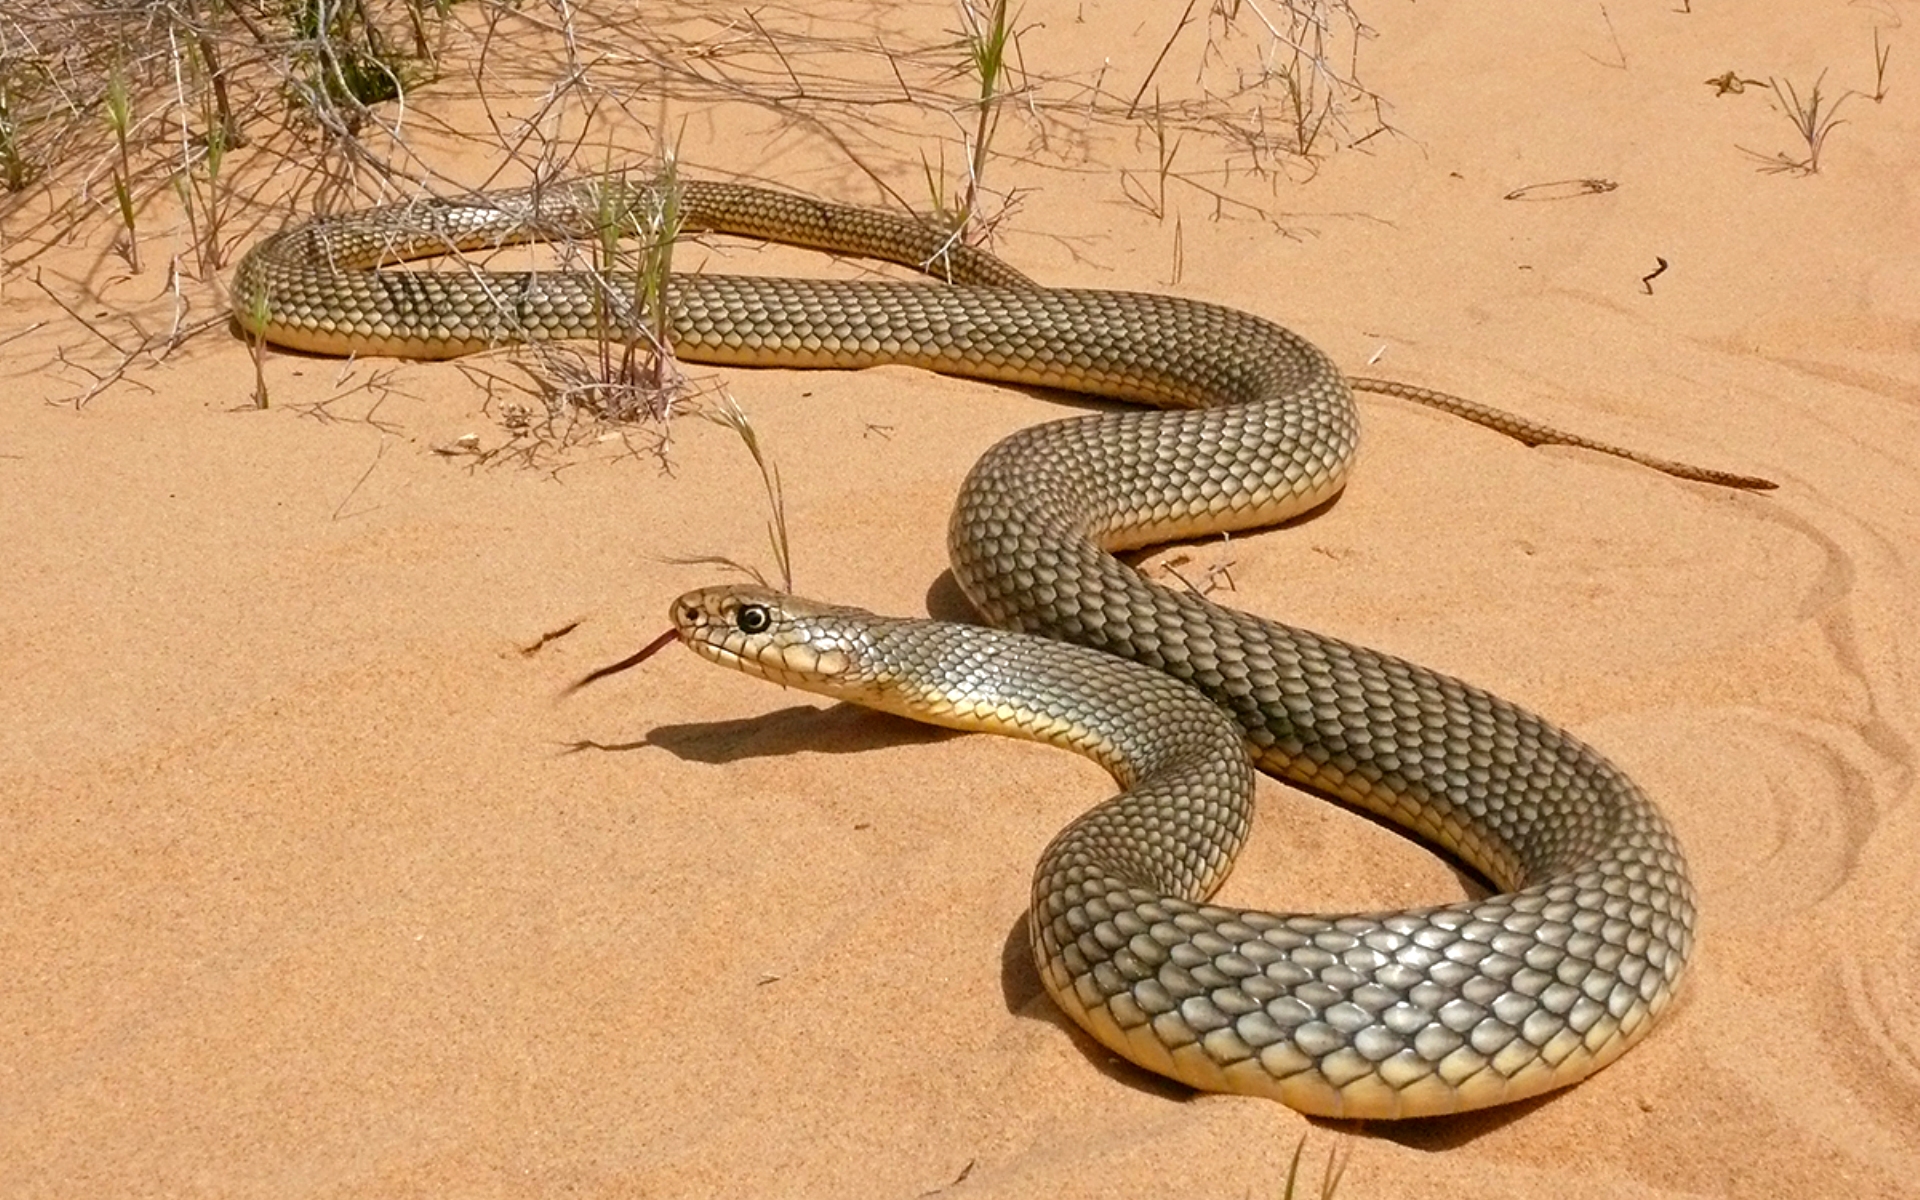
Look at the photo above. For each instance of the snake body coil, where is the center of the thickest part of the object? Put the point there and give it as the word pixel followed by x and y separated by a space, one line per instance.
pixel 1387 1014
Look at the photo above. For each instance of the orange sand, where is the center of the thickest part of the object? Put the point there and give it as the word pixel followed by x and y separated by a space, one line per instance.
pixel 308 891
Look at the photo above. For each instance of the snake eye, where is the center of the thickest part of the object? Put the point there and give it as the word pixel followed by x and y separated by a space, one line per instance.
pixel 752 618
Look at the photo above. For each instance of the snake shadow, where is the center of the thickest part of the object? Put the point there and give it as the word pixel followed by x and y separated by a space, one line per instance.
pixel 837 729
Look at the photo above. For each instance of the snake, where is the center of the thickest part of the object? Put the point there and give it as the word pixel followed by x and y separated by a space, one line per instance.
pixel 1577 946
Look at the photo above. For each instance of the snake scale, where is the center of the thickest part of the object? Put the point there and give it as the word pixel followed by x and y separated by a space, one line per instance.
pixel 1389 1014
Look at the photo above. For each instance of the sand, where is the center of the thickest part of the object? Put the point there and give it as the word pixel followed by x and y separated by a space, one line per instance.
pixel 314 886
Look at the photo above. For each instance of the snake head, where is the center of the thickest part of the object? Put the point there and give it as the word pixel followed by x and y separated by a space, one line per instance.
pixel 778 637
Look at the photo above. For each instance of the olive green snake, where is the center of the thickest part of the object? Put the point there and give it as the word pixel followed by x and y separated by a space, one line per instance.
pixel 1387 1014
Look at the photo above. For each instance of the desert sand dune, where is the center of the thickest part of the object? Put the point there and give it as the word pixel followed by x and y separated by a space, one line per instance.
pixel 315 888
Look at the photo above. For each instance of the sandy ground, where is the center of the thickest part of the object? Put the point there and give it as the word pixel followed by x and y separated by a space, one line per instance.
pixel 314 888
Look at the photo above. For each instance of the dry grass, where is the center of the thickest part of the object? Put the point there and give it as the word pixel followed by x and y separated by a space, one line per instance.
pixel 1882 51
pixel 169 133
pixel 1814 117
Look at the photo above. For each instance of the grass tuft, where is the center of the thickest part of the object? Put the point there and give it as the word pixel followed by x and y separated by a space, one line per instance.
pixel 119 114
pixel 986 36
pixel 1813 117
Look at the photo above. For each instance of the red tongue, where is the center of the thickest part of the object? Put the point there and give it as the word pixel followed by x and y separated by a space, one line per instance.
pixel 632 660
